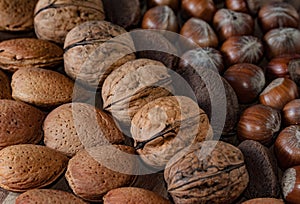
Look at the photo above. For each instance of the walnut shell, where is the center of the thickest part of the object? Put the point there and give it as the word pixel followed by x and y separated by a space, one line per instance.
pixel 209 172
pixel 165 126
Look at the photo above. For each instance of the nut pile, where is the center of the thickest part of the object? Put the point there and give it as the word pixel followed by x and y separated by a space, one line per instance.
pixel 98 106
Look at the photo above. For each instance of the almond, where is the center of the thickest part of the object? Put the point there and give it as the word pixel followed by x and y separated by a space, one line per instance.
pixel 27 166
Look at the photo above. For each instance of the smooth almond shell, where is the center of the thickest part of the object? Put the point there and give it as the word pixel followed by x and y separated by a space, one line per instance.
pixel 40 87
pixel 28 166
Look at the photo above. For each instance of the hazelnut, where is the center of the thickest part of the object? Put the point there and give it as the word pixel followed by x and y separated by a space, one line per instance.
pixel 290 185
pixel 199 32
pixel 294 70
pixel 203 9
pixel 237 5
pixel 173 4
pixel 287 147
pixel 281 41
pixel 291 113
pixel 259 123
pixel 278 66
pixel 160 18
pixel 242 49
pixel 278 93
pixel 229 23
pixel 255 5
pixel 277 15
pixel 247 80
pixel 264 201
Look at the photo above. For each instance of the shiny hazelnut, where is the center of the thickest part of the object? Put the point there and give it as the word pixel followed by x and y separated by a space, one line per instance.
pixel 291 113
pixel 199 32
pixel 173 4
pixel 259 123
pixel 208 58
pixel 160 18
pixel 203 9
pixel 287 147
pixel 290 185
pixel 294 70
pixel 277 15
pixel 281 41
pixel 247 80
pixel 237 5
pixel 278 93
pixel 278 66
pixel 229 23
pixel 242 49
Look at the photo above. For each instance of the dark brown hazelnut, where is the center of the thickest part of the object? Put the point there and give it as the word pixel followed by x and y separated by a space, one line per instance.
pixel 294 70
pixel 277 15
pixel 237 5
pixel 278 93
pixel 280 41
pixel 291 185
pixel 160 18
pixel 199 32
pixel 173 4
pixel 242 49
pixel 203 9
pixel 259 123
pixel 255 5
pixel 287 147
pixel 291 113
pixel 247 80
pixel 229 23
pixel 207 58
pixel 278 66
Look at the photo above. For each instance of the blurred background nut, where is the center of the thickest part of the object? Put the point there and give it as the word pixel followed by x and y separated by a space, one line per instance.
pixel 16 15
pixel 165 126
pixel 55 18
pixel 294 70
pixel 229 23
pixel 203 9
pixel 209 172
pixel 277 15
pixel 290 185
pixel 93 49
pixel 237 5
pixel 255 5
pixel 173 4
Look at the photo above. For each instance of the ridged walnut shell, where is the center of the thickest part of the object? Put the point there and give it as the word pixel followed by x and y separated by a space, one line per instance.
pixel 210 172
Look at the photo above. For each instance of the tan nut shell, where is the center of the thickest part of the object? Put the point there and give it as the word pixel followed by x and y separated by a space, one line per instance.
pixel 92 173
pixel 55 18
pixel 165 126
pixel 264 201
pixel 133 85
pixel 29 52
pixel 48 196
pixel 27 166
pixel 20 123
pixel 91 53
pixel 210 172
pixel 16 15
pixel 40 87
pixel 72 127
pixel 133 195
pixel 5 89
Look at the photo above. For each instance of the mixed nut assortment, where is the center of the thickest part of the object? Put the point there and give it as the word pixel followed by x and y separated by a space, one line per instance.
pixel 205 110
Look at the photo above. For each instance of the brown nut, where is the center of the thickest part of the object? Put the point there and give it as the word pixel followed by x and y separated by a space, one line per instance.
pixel 203 9
pixel 280 41
pixel 264 201
pixel 20 123
pixel 16 15
pixel 294 70
pixel 48 196
pixel 91 173
pixel 199 32
pixel 5 89
pixel 205 173
pixel 290 185
pixel 277 15
pixel 173 4
pixel 237 5
pixel 93 50
pixel 41 87
pixel 36 167
pixel 229 23
pixel 291 113
pixel 29 52
pixel 278 93
pixel 164 126
pixel 55 18
pixel 242 49
pixel 259 123
pixel 75 126
pixel 255 5
pixel 128 88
